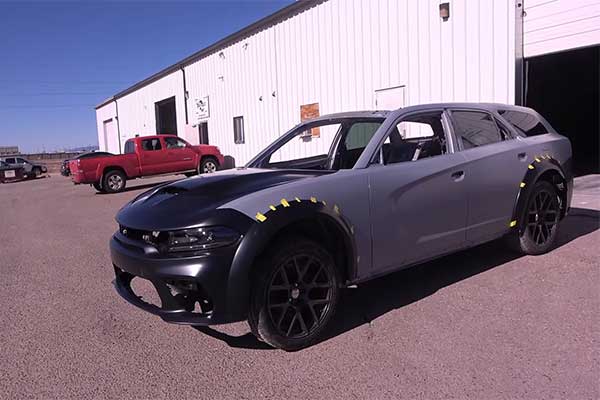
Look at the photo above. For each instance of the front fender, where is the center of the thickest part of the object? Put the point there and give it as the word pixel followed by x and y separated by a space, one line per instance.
pixel 265 232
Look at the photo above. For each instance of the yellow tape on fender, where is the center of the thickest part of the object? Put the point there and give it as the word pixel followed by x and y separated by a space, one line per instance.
pixel 522 184
pixel 512 224
pixel 260 217
pixel 530 166
pixel 272 207
pixel 285 203
pixel 313 199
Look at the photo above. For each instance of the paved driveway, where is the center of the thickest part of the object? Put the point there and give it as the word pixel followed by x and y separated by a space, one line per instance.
pixel 480 324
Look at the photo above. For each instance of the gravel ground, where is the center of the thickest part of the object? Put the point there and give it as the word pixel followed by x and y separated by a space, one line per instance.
pixel 479 324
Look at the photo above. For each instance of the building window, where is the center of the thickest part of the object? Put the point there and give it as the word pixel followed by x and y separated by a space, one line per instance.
pixel 238 130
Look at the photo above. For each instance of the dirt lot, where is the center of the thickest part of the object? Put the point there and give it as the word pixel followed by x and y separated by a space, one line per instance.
pixel 480 324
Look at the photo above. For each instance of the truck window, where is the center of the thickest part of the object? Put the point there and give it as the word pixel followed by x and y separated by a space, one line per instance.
pixel 151 144
pixel 174 143
pixel 129 147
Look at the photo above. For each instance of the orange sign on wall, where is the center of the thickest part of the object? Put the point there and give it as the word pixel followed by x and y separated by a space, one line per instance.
pixel 309 111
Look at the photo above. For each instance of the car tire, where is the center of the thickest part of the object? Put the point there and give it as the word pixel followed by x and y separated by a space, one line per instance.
pixel 294 295
pixel 114 181
pixel 539 226
pixel 98 187
pixel 208 165
pixel 37 172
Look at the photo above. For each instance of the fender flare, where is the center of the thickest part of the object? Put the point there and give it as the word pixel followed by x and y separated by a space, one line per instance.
pixel 539 166
pixel 264 232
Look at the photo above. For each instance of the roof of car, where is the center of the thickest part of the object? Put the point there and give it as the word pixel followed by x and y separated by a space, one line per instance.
pixel 418 107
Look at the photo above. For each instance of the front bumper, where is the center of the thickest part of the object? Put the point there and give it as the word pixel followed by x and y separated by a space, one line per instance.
pixel 192 290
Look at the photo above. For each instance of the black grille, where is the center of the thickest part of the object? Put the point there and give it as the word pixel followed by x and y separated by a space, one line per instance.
pixel 140 235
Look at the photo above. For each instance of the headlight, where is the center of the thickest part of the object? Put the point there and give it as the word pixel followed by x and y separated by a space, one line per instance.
pixel 198 239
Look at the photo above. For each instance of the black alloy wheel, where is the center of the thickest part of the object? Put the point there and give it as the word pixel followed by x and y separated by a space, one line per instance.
pixel 540 221
pixel 295 296
pixel 299 295
pixel 542 217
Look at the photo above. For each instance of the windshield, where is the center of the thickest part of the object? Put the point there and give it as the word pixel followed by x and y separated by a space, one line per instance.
pixel 324 145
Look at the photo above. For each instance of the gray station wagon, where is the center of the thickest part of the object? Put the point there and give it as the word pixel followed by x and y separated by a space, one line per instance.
pixel 276 241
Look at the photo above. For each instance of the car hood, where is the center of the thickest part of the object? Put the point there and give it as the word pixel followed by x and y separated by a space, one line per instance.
pixel 191 201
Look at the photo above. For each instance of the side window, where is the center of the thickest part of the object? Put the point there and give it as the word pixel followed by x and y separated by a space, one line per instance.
pixel 475 128
pixel 151 144
pixel 526 124
pixel 174 143
pixel 10 161
pixel 360 134
pixel 414 138
pixel 238 130
pixel 21 161
pixel 129 147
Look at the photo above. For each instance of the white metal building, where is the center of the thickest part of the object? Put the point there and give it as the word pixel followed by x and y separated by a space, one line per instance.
pixel 316 57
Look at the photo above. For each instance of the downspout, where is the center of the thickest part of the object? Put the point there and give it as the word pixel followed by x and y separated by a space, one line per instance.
pixel 519 79
pixel 118 125
pixel 185 106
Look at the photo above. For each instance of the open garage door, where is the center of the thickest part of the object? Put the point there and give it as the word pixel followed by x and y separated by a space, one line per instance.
pixel 166 117
pixel 564 87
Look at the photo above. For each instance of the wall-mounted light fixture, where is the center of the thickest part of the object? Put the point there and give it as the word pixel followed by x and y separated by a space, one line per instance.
pixel 221 54
pixel 187 95
pixel 260 98
pixel 445 11
pixel 245 46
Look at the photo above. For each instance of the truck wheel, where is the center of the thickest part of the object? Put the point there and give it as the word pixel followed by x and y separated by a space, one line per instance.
pixel 537 232
pixel 295 294
pixel 114 181
pixel 208 165
pixel 98 187
pixel 37 172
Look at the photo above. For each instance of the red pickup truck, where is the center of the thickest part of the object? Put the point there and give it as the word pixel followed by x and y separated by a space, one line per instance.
pixel 145 156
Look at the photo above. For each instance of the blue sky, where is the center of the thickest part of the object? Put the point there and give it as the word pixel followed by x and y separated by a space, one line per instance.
pixel 59 59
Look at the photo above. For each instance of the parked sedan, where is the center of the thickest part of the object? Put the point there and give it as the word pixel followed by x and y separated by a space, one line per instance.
pixel 374 192
pixel 10 173
pixel 66 171
pixel 33 170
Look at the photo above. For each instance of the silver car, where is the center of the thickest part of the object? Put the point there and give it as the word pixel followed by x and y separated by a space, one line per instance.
pixel 374 192
pixel 31 169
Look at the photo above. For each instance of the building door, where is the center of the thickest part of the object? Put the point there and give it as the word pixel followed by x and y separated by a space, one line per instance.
pixel 111 141
pixel 203 133
pixel 166 116
pixel 390 98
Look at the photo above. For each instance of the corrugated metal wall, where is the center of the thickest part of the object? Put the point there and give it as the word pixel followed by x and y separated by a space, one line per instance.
pixel 103 115
pixel 338 54
pixel 557 25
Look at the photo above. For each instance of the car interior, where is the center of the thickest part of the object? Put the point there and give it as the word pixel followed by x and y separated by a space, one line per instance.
pixel 414 138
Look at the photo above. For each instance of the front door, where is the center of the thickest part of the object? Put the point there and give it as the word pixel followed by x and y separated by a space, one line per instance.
pixel 180 155
pixel 418 193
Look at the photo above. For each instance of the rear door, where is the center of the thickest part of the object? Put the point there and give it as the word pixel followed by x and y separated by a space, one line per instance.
pixel 180 155
pixel 153 157
pixel 496 165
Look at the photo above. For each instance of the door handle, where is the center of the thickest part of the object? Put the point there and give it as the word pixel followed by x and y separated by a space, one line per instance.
pixel 522 156
pixel 458 176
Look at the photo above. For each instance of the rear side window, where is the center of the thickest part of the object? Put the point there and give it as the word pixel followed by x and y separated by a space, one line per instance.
pixel 526 124
pixel 129 147
pixel 475 128
pixel 151 144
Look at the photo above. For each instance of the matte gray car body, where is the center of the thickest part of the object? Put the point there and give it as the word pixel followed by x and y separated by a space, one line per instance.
pixel 387 216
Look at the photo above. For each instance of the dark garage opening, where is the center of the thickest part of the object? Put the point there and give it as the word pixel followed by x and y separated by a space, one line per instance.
pixel 564 87
pixel 166 117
